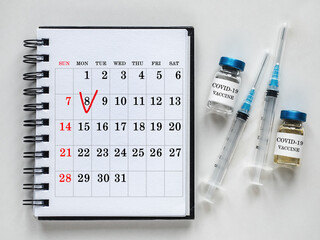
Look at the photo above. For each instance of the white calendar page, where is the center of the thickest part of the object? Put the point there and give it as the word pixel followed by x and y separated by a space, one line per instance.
pixel 119 123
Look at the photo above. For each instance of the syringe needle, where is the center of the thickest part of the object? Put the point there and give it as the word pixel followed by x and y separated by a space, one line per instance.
pixel 281 43
pixel 264 61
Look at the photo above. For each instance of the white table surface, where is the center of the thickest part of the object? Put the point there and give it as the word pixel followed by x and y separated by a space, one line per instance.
pixel 285 208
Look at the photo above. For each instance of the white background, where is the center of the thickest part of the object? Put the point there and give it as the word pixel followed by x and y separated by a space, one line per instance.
pixel 287 206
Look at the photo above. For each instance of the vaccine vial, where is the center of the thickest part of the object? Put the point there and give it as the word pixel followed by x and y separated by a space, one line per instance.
pixel 225 86
pixel 290 138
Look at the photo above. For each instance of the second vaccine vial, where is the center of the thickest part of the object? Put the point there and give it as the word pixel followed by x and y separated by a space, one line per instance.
pixel 225 86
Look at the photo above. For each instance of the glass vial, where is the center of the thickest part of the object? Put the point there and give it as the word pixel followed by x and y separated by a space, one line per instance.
pixel 225 86
pixel 290 138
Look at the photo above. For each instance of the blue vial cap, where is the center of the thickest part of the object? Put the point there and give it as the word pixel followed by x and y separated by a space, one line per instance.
pixel 293 115
pixel 231 62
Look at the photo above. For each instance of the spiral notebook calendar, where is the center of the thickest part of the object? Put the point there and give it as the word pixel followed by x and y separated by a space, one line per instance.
pixel 114 123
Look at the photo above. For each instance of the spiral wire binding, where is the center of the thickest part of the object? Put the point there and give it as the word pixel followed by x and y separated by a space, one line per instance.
pixel 32 107
pixel 34 43
pixel 36 91
pixel 38 170
pixel 35 58
pixel 36 122
pixel 36 154
pixel 35 107
pixel 36 138
pixel 32 76
pixel 36 202
pixel 38 186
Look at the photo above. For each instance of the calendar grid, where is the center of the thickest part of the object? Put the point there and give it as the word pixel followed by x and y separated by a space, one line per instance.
pixel 109 188
pixel 55 140
pixel 110 185
pixel 146 115
pixel 119 170
pixel 182 122
pixel 129 145
pixel 128 171
pixel 182 135
pixel 165 113
pixel 137 119
pixel 130 94
pixel 91 131
pixel 164 117
pixel 122 196
pixel 73 102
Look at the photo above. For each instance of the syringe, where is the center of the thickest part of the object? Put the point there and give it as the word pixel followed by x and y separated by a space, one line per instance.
pixel 268 113
pixel 220 168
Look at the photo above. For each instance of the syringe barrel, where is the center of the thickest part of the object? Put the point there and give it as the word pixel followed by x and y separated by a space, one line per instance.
pixel 221 166
pixel 265 128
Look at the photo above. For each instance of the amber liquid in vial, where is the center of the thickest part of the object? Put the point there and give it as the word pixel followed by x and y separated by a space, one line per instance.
pixel 293 127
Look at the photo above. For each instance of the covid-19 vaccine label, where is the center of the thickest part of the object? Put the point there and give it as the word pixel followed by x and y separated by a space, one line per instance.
pixel 289 145
pixel 224 92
